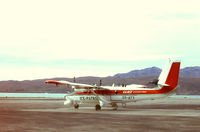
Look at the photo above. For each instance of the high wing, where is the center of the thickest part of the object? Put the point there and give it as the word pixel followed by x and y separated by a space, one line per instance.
pixel 76 85
pixel 80 86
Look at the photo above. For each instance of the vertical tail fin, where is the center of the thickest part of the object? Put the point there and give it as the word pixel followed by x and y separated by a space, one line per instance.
pixel 170 74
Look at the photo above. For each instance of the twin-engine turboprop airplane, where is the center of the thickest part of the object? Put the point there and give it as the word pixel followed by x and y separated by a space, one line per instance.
pixel 100 95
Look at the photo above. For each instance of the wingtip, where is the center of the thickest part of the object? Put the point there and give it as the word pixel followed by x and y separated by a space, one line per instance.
pixel 50 81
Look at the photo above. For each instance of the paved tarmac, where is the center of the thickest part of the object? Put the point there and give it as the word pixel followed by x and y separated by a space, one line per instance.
pixel 50 115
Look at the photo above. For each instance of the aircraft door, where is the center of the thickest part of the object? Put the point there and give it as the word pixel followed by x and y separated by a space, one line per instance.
pixel 115 97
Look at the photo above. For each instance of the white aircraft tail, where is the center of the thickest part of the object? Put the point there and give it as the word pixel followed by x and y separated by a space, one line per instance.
pixel 170 74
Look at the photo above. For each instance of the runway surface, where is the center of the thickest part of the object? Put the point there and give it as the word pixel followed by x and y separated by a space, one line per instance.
pixel 50 115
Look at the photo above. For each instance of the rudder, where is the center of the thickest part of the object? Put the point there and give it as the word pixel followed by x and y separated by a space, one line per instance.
pixel 170 74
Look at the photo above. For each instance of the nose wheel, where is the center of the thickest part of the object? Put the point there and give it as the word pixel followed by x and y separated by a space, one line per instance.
pixel 76 106
pixel 97 107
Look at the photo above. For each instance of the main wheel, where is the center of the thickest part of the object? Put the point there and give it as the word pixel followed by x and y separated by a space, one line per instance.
pixel 98 107
pixel 115 106
pixel 76 106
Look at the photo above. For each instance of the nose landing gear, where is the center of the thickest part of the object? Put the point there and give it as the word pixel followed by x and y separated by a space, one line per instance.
pixel 76 106
pixel 97 107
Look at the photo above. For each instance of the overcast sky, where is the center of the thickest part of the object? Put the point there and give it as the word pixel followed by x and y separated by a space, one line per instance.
pixel 60 38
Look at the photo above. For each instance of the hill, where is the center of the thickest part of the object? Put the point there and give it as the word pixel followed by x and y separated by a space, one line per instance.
pixel 187 72
pixel 187 85
pixel 153 71
pixel 189 81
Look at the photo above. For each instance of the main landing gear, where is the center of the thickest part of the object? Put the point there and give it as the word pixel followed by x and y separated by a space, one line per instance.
pixel 115 106
pixel 97 107
pixel 76 106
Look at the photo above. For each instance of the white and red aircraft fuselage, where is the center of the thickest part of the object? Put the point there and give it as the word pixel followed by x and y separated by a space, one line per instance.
pixel 100 95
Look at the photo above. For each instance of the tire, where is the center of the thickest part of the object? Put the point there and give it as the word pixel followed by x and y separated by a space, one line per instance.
pixel 76 106
pixel 98 107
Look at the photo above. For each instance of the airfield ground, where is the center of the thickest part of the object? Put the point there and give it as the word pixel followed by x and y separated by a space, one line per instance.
pixel 50 115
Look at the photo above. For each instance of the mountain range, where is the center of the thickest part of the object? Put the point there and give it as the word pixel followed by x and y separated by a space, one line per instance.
pixel 189 82
pixel 187 72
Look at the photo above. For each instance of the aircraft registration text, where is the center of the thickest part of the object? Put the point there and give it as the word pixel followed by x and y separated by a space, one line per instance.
pixel 127 97
pixel 88 98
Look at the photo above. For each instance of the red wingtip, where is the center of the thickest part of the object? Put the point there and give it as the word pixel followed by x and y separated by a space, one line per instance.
pixel 50 81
